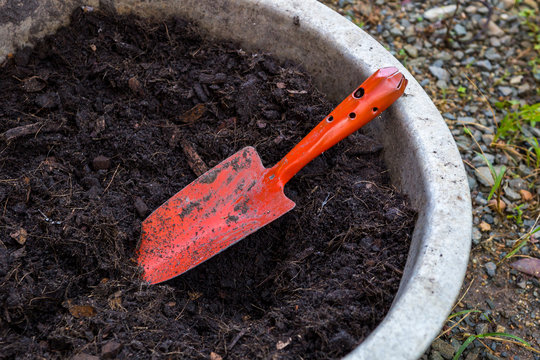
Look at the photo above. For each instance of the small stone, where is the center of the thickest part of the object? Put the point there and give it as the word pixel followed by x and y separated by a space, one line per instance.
pixel 494 41
pixel 439 13
pixel 395 31
pixel 492 54
pixel 525 250
pixel 141 207
pixel 505 90
pixel 441 84
pixel 490 268
pixel 484 226
pixel 135 85
pixel 439 73
pixel 460 30
pixel 20 235
pixel 483 174
pixel 511 194
pixel 525 195
pixel 456 344
pixel 518 184
pixel 525 171
pixel 494 30
pixel 468 37
pixel 435 355
pixel 508 4
pixel 481 328
pixel 472 182
pixel 443 56
pixel 409 32
pixel 110 349
pixel 484 64
pixel 497 205
pixel 472 355
pixel 411 50
pixel 516 80
pixel 101 163
pixel 488 138
pixel 488 218
pixel 476 236
pixel 444 348
pixel 522 89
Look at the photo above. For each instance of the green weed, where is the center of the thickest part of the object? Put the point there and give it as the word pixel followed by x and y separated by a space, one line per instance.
pixel 522 241
pixel 511 125
pixel 497 177
pixel 534 146
pixel 517 215
pixel 493 336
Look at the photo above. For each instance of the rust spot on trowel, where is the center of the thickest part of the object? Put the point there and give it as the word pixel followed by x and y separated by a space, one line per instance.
pixel 209 177
pixel 242 207
pixel 232 218
pixel 189 208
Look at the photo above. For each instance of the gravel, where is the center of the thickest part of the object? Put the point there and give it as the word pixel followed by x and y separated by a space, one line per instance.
pixel 439 73
pixel 490 268
pixel 470 68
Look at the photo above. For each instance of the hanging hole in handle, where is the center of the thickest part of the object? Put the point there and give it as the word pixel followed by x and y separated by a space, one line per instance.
pixel 330 119
pixel 375 109
pixel 352 115
pixel 359 93
pixel 400 82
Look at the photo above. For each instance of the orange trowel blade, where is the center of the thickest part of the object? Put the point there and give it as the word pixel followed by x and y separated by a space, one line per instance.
pixel 239 196
pixel 218 209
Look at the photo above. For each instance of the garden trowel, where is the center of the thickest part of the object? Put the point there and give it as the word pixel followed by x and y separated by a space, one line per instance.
pixel 240 196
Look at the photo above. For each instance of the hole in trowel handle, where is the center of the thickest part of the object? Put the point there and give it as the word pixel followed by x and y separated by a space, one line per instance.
pixel 359 93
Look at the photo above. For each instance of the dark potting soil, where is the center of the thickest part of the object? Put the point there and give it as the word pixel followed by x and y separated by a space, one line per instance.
pixel 103 122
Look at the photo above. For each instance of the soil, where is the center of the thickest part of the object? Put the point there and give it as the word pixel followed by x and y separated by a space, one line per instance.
pixel 103 122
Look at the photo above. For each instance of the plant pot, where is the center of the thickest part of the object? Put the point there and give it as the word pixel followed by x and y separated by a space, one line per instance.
pixel 419 150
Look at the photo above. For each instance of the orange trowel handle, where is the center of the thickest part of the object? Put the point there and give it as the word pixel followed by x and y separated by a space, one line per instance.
pixel 371 98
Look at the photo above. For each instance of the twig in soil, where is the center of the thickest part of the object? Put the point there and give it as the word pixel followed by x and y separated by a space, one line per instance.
pixel 29 129
pixel 194 160
pixel 112 178
pixel 19 131
pixel 393 268
pixel 167 32
pixel 236 338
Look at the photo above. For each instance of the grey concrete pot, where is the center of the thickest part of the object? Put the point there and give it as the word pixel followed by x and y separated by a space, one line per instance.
pixel 419 149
